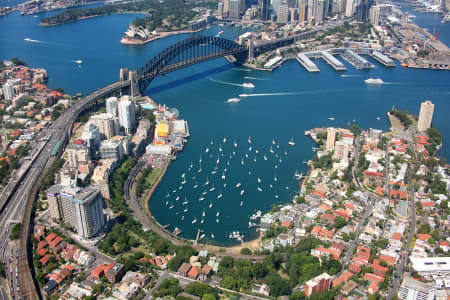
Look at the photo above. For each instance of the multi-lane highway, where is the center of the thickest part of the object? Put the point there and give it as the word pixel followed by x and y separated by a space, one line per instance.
pixel 16 200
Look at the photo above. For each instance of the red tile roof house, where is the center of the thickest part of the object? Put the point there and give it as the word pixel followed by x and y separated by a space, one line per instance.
pixel 342 213
pixel 378 269
pixel 205 273
pixel 373 178
pixel 372 277
pixel 423 237
pixel 193 273
pixel 388 259
pixel 327 218
pixel 398 194
pixel 355 267
pixel 41 252
pixel 343 278
pixel 98 272
pixel 397 236
pixel 57 244
pixel 320 251
pixel 44 260
pixel 51 237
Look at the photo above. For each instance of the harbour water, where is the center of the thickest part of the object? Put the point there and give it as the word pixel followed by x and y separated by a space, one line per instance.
pixel 283 104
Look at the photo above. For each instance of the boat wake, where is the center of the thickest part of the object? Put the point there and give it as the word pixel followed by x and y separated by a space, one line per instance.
pixel 34 41
pixel 78 61
pixel 298 93
pixel 348 75
pixel 241 69
pixel 245 84
pixel 257 78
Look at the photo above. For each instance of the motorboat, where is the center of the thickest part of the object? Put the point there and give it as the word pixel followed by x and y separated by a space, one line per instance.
pixel 373 81
pixel 233 100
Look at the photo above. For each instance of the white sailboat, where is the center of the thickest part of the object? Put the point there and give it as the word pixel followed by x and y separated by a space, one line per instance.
pixel 201 199
pixel 242 161
pixel 194 221
pixel 249 139
pixel 259 180
pixel 177 198
pixel 242 192
pixel 259 189
pixel 219 196
pixel 206 150
pixel 235 144
pixel 238 185
pixel 224 140
pixel 223 176
pixel 242 203
pixel 212 189
pixel 210 204
pixel 217 214
pixel 195 185
pixel 265 157
pixel 220 148
pixel 206 182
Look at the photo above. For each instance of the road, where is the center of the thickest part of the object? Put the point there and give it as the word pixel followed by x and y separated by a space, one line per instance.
pixel 16 200
pixel 400 267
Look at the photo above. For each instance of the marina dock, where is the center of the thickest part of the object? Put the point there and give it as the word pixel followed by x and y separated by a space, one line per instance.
pixel 356 60
pixel 307 63
pixel 385 60
pixel 332 61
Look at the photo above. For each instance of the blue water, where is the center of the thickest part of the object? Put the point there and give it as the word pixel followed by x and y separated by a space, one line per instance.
pixel 283 104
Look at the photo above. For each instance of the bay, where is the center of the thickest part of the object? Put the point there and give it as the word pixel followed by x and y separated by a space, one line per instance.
pixel 283 104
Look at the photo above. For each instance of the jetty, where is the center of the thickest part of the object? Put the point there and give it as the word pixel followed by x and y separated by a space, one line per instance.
pixel 332 61
pixel 306 62
pixel 356 60
pixel 383 59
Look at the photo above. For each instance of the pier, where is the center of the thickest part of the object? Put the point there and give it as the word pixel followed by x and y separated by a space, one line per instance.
pixel 385 60
pixel 307 63
pixel 356 60
pixel 332 61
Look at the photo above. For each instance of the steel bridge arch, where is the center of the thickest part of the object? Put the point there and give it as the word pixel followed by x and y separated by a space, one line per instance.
pixel 188 52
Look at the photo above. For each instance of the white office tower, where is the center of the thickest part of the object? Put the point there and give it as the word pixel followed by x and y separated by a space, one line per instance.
pixel 331 138
pixel 127 118
pixel 88 208
pixel 310 8
pixel 107 124
pixel 349 8
pixel 111 106
pixel 375 15
pixel 283 12
pixel 8 91
pixel 220 10
pixel 233 9
pixel 91 134
pixel 425 115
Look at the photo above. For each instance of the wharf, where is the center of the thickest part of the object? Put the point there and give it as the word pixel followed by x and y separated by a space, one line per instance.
pixel 307 63
pixel 356 60
pixel 332 61
pixel 385 60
